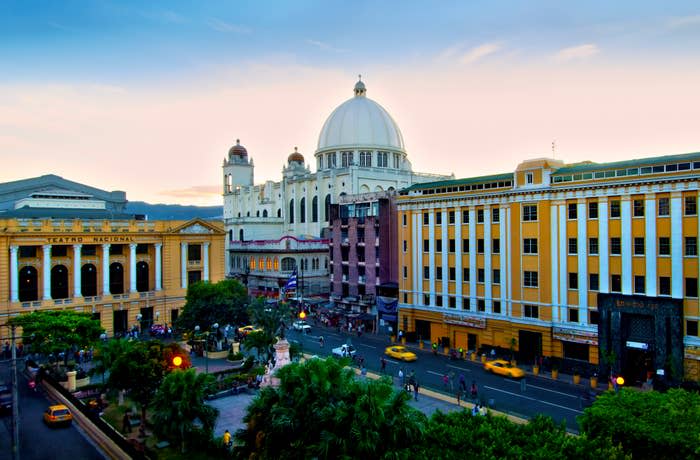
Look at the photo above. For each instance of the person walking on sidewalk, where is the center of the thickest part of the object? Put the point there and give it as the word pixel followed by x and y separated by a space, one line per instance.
pixel 474 391
pixel 320 341
pixel 415 389
pixel 382 361
pixel 462 382
pixel 402 378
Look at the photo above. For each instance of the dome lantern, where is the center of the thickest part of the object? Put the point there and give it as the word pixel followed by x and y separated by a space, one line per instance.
pixel 295 157
pixel 238 151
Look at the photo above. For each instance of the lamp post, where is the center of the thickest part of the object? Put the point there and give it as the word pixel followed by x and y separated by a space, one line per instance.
pixel 15 392
pixel 206 343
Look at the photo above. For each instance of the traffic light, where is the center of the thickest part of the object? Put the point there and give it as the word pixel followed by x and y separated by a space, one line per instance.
pixel 177 361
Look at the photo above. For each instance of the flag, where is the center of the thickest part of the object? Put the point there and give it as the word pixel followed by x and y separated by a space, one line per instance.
pixel 292 281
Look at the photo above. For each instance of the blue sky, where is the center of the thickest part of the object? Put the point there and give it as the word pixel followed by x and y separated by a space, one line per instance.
pixel 172 79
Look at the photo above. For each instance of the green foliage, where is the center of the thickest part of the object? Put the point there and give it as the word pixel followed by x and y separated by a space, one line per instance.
pixel 321 411
pixel 51 332
pixel 208 303
pixel 235 356
pixel 649 425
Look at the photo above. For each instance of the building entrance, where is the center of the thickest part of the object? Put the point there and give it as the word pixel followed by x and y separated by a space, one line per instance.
pixel 530 345
pixel 637 366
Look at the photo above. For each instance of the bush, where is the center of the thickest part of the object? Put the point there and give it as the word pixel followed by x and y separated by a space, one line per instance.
pixel 235 356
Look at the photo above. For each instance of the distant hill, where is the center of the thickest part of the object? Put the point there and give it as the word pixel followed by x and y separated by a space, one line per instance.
pixel 174 211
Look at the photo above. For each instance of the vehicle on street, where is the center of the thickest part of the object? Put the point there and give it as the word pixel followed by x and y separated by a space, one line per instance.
pixel 245 330
pixel 345 351
pixel 400 352
pixel 5 398
pixel 302 326
pixel 504 368
pixel 58 415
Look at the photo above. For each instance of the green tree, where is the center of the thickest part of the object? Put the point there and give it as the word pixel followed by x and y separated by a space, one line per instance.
pixel 649 425
pixel 321 411
pixel 273 320
pixel 54 331
pixel 207 303
pixel 107 352
pixel 178 402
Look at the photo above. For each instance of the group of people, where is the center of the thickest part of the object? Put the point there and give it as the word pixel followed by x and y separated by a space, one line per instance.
pixel 410 383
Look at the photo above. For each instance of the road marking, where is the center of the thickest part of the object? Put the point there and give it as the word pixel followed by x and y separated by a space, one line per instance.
pixel 434 373
pixel 460 368
pixel 533 399
pixel 365 345
pixel 545 389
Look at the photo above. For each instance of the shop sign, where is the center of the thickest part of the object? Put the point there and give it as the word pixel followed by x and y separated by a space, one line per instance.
pixel 478 323
pixel 568 335
pixel 90 239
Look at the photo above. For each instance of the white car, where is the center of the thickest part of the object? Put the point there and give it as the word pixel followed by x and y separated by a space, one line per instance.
pixel 344 351
pixel 302 326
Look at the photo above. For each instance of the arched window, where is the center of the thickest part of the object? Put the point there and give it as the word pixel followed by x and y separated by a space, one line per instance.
pixel 279 212
pixel 288 264
pixel 28 284
pixel 291 211
pixel 59 282
pixel 302 210
pixel 88 280
pixel 116 278
pixel 264 212
pixel 252 263
pixel 142 277
pixel 328 207
pixel 261 263
pixel 269 263
pixel 230 234
pixel 257 214
pixel 228 183
pixel 314 209
pixel 240 235
pixel 277 264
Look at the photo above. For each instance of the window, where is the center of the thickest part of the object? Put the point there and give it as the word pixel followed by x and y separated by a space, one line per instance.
pixel 496 246
pixel 691 327
pixel 480 246
pixel 405 272
pixel 664 285
pixel 495 215
pixel 331 160
pixel 479 216
pixel 573 315
pixel 497 306
pixel 664 209
pixel 438 218
pixel 639 246
pixel 573 246
pixel 404 220
pixel 383 159
pixel 366 159
pixel 593 246
pixel 593 210
pixel 616 283
pixel 291 211
pixel 530 279
pixel 638 208
pixel 426 299
pixel 593 281
pixel 194 252
pixel 691 206
pixel 438 273
pixel 614 209
pixel 426 245
pixel 639 284
pixel 573 210
pixel 573 280
pixel 451 217
pixel 691 245
pixel 405 245
pixel 530 245
pixel 452 302
pixel 497 276
pixel 481 305
pixel 664 246
pixel 345 159
pixel 438 245
pixel 426 218
pixel 453 274
pixel 480 275
pixel 691 287
pixel 465 245
pixel 529 212
pixel 615 246
pixel 594 317
pixel 465 274
pixel 426 272
pixel 465 216
pixel 529 178
pixel 438 301
pixel 405 297
pixel 452 245
pixel 531 311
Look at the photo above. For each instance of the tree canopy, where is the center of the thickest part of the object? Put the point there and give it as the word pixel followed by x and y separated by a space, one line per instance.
pixel 207 303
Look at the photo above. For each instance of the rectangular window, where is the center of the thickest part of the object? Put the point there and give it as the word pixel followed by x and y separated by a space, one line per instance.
pixel 438 273
pixel 465 216
pixel 481 305
pixel 615 246
pixel 530 279
pixel 495 215
pixel 453 274
pixel 404 220
pixel 594 316
pixel 573 246
pixel 480 246
pixel 426 299
pixel 664 285
pixel 438 301
pixel 405 272
pixel 529 245
pixel 496 306
pixel 438 245
pixel 59 251
pixel 531 311
pixel 529 212
pixel 405 297
pixel 593 246
pixel 426 273
pixel 383 159
pixel 529 178
pixel 664 209
pixel 426 245
pixel 194 252
pixel 438 218
pixel 639 246
pixel 614 209
pixel 452 245
pixel 331 160
pixel 426 218
pixel 691 206
pixel 365 159
pixel 691 245
pixel 639 284
pixel 465 274
pixel 616 283
pixel 451 217
pixel 573 315
pixel 573 280
pixel 638 208
pixel 691 327
pixel 496 246
pixel 573 210
pixel 664 246
pixel 345 159
pixel 497 276
pixel 480 275
pixel 593 282
pixel 405 245
pixel 691 287
pixel 479 216
pixel 593 210
pixel 465 245
pixel 452 302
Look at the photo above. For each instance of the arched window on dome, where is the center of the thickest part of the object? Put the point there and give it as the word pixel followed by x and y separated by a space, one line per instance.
pixel 302 210
pixel 383 159
pixel 328 208
pixel 291 211
pixel 264 212
pixel 279 212
pixel 314 209
pixel 331 160
pixel 365 159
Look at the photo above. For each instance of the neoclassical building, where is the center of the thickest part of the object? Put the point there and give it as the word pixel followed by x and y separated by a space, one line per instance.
pixel 276 226
pixel 66 246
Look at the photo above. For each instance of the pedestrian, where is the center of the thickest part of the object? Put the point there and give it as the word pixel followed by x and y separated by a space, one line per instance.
pixel 320 341
pixel 475 410
pixel 401 377
pixel 445 381
pixel 415 390
pixel 126 423
pixel 227 439
pixel 474 391
pixel 482 411
pixel 435 346
pixel 459 395
pixel 462 382
pixel 383 364
pixel 400 334
pixel 451 375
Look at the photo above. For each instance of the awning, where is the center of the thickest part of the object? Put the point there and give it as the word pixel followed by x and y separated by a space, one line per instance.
pixel 367 317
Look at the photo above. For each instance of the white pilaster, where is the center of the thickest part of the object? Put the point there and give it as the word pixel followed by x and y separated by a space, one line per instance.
pixel 183 265
pixel 472 258
pixel 417 263
pixel 554 257
pixel 458 259
pixel 444 260
pixel 14 274
pixel 46 265
pixel 563 273
pixel 626 243
pixel 505 257
pixel 159 269
pixel 676 245
pixel 488 278
pixel 132 267
pixel 431 257
pixel 650 244
pixel 205 255
pixel 603 247
pixel 77 271
pixel 105 269
pixel 582 240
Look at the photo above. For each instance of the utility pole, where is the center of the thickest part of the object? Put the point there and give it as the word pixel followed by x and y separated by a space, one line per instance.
pixel 15 400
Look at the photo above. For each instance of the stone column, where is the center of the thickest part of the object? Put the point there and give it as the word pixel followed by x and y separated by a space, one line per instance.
pixel 105 269
pixel 132 267
pixel 183 265
pixel 14 274
pixel 159 282
pixel 77 281
pixel 205 261
pixel 47 271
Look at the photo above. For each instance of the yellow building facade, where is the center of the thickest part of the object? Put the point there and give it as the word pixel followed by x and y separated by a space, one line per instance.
pixel 125 272
pixel 588 262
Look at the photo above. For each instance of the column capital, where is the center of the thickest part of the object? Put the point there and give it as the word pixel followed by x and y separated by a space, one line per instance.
pixel 106 245
pixel 206 244
pixel 46 247
pixel 77 246
pixel 650 196
pixel 158 245
pixel 14 249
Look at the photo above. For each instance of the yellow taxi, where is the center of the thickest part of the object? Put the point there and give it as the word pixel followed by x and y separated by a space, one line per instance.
pixel 57 415
pixel 245 330
pixel 400 352
pixel 504 368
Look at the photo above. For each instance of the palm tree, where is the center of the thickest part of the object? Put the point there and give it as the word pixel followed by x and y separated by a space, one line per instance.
pixel 179 402
pixel 106 354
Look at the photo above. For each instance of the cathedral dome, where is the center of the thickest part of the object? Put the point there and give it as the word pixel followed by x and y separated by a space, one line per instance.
pixel 295 156
pixel 238 150
pixel 360 122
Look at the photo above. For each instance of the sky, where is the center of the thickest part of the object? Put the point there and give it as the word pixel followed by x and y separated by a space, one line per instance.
pixel 147 97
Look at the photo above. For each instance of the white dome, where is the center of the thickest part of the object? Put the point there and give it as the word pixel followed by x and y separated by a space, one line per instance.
pixel 360 122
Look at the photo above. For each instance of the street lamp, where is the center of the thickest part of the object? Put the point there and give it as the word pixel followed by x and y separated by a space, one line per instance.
pixel 206 343
pixel 15 391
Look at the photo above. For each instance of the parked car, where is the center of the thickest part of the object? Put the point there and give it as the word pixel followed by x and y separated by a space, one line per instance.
pixel 302 326
pixel 400 352
pixel 58 415
pixel 344 351
pixel 504 368
pixel 245 330
pixel 5 398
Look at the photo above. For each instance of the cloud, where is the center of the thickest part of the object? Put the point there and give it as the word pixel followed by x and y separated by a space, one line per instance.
pixel 577 52
pixel 479 52
pixel 221 26
pixel 324 46
pixel 196 191
pixel 683 21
